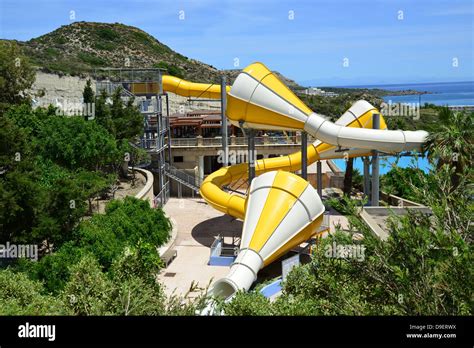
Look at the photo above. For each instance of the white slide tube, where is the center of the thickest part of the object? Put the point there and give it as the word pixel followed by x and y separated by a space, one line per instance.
pixel 390 141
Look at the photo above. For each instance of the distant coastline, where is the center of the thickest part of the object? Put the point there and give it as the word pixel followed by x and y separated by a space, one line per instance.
pixel 439 93
pixel 380 92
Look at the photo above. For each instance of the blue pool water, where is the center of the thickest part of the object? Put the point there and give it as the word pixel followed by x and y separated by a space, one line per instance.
pixel 387 162
pixel 271 289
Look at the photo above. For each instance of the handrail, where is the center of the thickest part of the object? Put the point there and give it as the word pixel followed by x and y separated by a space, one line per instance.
pixel 239 141
pixel 193 180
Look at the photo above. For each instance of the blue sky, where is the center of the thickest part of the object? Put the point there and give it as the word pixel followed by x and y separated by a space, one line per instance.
pixel 381 44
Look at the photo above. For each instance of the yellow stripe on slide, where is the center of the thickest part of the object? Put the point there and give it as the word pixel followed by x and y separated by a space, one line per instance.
pixel 365 120
pixel 261 73
pixel 277 205
pixel 300 237
pixel 238 109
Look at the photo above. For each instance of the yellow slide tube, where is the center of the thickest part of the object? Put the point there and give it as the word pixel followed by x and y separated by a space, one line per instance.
pixel 191 89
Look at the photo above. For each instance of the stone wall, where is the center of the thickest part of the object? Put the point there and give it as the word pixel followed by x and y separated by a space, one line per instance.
pixel 146 193
pixel 57 89
pixel 66 91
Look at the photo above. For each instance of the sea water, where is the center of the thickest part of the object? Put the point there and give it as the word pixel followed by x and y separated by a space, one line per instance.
pixel 443 93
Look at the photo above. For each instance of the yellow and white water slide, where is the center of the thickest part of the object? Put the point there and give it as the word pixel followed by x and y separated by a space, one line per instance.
pixel 282 210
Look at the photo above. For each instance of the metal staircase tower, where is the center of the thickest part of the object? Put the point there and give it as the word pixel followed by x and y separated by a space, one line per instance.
pixel 145 86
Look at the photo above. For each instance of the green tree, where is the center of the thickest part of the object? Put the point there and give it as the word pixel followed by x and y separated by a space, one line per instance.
pixel 123 120
pixel 16 75
pixel 92 184
pixel 41 203
pixel 102 112
pixel 400 182
pixel 13 144
pixel 29 120
pixel 88 94
pixel 75 143
pixel 451 143
pixel 127 119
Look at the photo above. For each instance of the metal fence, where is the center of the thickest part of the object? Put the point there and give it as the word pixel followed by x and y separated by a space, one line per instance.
pixel 218 248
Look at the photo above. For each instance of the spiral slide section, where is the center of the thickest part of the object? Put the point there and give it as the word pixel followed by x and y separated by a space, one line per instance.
pixel 282 210
pixel 359 115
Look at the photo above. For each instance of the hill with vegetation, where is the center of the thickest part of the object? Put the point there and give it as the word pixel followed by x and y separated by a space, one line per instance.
pixel 81 47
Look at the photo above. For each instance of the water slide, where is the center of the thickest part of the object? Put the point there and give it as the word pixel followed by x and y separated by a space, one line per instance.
pixel 282 210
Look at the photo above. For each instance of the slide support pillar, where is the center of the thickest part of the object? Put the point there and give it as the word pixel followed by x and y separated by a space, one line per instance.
pixel 319 179
pixel 225 143
pixel 251 153
pixel 375 166
pixel 367 177
pixel 167 124
pixel 304 155
pixel 201 167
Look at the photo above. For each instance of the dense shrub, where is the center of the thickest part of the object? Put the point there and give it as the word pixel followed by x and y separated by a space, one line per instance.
pixel 22 296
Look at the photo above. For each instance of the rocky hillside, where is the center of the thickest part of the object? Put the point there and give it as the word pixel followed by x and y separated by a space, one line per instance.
pixel 81 47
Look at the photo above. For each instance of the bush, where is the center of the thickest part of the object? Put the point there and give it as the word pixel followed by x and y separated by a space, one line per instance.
pixel 107 34
pixel 251 304
pixel 22 296
pixel 399 182
pixel 88 289
pixel 170 69
pixel 91 59
pixel 54 269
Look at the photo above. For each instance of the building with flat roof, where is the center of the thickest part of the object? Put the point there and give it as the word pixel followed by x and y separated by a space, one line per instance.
pixel 319 91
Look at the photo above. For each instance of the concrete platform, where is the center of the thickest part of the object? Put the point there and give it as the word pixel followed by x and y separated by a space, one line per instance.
pixel 197 225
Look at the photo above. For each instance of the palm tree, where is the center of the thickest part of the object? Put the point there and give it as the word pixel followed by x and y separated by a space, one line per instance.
pixel 451 143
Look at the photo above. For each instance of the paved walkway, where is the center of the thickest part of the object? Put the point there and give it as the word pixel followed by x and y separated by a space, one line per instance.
pixel 198 225
pixel 335 219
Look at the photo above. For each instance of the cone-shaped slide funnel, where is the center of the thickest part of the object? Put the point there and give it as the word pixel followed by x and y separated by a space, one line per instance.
pixel 258 99
pixel 283 211
pixel 262 101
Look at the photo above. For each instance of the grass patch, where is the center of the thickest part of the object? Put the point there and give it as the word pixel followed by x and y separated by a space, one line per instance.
pixel 107 34
pixel 51 52
pixel 60 40
pixel 105 46
pixel 170 69
pixel 91 59
pixel 142 38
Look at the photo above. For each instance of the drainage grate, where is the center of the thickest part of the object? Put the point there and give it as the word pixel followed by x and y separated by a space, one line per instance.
pixel 169 274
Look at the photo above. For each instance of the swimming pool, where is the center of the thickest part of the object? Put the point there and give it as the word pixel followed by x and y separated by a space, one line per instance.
pixel 386 163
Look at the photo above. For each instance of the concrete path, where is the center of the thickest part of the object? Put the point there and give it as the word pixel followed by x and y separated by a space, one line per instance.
pixel 198 225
